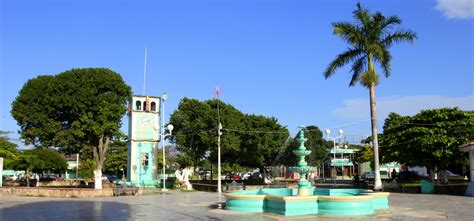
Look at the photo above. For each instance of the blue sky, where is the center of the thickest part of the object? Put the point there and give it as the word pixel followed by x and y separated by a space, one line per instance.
pixel 267 56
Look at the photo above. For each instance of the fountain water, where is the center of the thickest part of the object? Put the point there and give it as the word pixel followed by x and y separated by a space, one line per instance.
pixel 306 199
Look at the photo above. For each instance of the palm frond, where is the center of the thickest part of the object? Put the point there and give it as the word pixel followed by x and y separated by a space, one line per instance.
pixel 383 57
pixel 362 15
pixel 386 62
pixel 341 60
pixel 390 21
pixel 371 36
pixel 399 36
pixel 348 31
pixel 357 69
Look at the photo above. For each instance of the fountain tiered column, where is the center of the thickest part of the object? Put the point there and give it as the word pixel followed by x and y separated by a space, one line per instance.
pixel 302 166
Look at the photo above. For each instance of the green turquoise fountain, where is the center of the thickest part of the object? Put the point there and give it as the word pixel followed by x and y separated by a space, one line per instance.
pixel 307 200
pixel 302 166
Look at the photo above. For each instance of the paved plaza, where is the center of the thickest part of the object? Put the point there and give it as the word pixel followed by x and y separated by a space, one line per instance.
pixel 203 206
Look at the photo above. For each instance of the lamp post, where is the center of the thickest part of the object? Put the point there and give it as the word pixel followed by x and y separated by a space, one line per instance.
pixel 328 132
pixel 163 136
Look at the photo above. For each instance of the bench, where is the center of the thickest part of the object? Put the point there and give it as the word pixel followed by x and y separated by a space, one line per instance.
pixel 125 189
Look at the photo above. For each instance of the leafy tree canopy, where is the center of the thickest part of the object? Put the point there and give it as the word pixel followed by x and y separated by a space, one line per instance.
pixel 72 110
pixel 430 138
pixel 117 157
pixel 8 150
pixel 247 140
pixel 318 146
pixel 43 159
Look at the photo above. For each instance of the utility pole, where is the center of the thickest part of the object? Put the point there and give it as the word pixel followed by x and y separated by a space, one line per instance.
pixel 219 133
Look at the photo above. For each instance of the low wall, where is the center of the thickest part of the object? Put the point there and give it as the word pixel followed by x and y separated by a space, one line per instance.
pixel 57 192
pixel 59 183
pixel 213 187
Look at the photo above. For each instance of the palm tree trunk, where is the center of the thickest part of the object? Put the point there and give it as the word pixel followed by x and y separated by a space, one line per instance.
pixel 373 121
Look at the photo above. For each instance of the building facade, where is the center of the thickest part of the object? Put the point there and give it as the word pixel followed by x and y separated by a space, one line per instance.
pixel 143 132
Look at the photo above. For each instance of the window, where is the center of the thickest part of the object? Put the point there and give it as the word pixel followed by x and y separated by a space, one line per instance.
pixel 139 105
pixel 144 159
pixel 153 106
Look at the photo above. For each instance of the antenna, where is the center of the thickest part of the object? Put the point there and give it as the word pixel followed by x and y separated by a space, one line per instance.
pixel 144 70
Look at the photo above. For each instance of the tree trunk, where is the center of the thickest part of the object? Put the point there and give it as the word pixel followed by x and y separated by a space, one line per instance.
pixel 373 121
pixel 100 152
pixel 98 178
pixel 211 172
pixel 27 177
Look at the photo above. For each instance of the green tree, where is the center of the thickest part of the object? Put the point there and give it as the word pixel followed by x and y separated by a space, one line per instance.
pixel 365 153
pixel 430 138
pixel 117 156
pixel 247 140
pixel 370 38
pixel 315 143
pixel 26 162
pixel 8 150
pixel 195 130
pixel 79 108
pixel 86 170
pixel 191 127
pixel 261 143
pixel 45 159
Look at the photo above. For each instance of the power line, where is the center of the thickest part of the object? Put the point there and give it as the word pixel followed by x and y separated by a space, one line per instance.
pixel 256 131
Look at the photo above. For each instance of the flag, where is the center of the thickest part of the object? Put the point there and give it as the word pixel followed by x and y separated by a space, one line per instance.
pixel 218 92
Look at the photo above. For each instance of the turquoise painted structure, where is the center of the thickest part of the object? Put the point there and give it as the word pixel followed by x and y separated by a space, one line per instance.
pixel 143 131
pixel 307 200
pixel 284 201
pixel 302 166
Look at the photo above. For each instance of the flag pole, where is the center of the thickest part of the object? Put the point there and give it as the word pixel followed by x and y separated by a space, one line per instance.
pixel 219 133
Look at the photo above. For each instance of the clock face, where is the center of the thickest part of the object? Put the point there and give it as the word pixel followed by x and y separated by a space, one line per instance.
pixel 144 128
pixel 146 121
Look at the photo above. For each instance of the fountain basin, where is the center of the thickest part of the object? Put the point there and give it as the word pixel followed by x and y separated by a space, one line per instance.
pixel 285 201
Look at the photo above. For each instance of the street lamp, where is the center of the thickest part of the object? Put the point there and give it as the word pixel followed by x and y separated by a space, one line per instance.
pixel 170 128
pixel 328 132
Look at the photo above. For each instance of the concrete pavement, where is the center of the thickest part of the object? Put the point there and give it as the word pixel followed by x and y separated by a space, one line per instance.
pixel 202 206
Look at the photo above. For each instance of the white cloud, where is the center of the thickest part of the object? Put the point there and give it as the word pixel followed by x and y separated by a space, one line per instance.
pixel 358 109
pixel 459 9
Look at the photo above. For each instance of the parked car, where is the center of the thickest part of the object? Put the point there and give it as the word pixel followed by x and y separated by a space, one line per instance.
pixel 256 175
pixel 49 178
pixel 451 176
pixel 112 178
pixel 234 176
pixel 24 182
pixel 11 178
pixel 368 175
pixel 246 176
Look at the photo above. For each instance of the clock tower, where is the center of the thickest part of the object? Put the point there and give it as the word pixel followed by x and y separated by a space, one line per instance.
pixel 143 133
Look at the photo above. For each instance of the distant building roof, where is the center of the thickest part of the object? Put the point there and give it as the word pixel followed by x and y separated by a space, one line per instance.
pixel 467 146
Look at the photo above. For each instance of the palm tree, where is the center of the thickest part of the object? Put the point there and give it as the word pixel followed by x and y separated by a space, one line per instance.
pixel 370 37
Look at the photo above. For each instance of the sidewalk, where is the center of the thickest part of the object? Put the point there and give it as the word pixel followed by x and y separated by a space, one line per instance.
pixel 175 205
